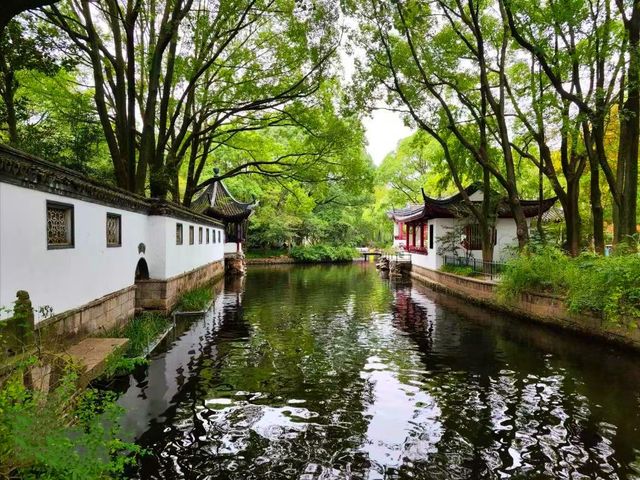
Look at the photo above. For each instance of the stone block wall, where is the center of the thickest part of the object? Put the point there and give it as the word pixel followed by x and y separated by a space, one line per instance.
pixel 103 314
pixel 162 295
pixel 539 307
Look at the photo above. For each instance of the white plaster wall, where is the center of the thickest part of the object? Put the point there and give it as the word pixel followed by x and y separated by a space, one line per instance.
pixel 232 248
pixel 186 257
pixel 506 238
pixel 425 261
pixel 70 277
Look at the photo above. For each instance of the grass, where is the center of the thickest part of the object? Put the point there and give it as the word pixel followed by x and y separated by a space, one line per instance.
pixel 196 300
pixel 141 332
pixel 463 271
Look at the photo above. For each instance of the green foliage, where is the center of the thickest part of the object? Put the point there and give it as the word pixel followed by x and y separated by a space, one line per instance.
pixel 323 253
pixel 546 270
pixel 607 286
pixel 463 271
pixel 266 253
pixel 196 300
pixel 62 434
pixel 118 365
pixel 142 330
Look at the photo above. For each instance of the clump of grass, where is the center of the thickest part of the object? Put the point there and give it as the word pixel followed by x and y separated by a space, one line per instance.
pixel 462 270
pixel 196 300
pixel 141 332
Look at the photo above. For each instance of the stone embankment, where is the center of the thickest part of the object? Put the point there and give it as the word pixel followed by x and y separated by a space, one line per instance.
pixel 270 260
pixel 539 307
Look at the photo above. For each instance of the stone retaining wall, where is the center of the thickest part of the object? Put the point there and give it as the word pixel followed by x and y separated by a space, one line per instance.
pixel 270 260
pixel 162 295
pixel 103 314
pixel 539 307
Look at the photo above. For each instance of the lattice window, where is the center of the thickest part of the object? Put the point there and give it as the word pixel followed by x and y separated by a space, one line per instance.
pixel 473 234
pixel 191 235
pixel 200 235
pixel 114 230
pixel 59 225
pixel 178 234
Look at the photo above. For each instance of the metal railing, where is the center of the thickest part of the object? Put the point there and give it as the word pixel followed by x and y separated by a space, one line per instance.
pixel 401 257
pixel 493 270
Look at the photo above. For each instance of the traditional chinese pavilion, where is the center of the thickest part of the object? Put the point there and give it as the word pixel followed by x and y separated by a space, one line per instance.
pixel 418 227
pixel 218 203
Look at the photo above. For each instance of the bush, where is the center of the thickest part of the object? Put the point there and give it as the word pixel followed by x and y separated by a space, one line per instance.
pixel 60 434
pixel 265 252
pixel 608 286
pixel 548 270
pixel 323 253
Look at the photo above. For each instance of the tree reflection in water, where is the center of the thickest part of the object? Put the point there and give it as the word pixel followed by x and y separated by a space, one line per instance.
pixel 330 372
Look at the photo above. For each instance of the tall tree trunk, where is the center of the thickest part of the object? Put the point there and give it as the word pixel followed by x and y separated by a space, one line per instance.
pixel 573 223
pixel 597 211
pixel 12 121
pixel 629 124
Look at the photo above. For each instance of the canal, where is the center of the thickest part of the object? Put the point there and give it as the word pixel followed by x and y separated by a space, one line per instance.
pixel 330 372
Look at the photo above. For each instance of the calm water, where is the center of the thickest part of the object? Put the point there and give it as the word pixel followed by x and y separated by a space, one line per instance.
pixel 334 373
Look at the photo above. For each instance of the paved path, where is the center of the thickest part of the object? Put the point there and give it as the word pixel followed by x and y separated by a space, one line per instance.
pixel 91 354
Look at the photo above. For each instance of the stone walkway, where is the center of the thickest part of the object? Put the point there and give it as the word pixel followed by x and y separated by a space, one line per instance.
pixel 91 354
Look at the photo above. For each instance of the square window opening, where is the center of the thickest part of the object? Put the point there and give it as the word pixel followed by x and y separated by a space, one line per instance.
pixel 114 230
pixel 60 225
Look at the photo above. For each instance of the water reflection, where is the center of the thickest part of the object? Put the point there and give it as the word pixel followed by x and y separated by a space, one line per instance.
pixel 332 373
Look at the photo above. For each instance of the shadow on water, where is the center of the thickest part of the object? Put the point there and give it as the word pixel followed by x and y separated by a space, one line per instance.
pixel 331 372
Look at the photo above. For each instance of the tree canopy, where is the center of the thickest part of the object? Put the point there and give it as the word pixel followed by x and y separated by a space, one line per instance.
pixel 529 100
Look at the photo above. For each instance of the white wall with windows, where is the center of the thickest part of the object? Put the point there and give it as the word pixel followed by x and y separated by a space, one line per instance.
pixel 506 241
pixel 192 252
pixel 80 251
pixel 63 276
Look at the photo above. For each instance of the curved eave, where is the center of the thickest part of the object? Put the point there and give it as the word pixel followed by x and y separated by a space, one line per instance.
pixel 453 199
pixel 225 217
pixel 531 208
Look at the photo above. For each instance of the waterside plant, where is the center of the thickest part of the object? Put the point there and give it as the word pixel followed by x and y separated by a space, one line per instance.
pixel 323 253
pixel 604 286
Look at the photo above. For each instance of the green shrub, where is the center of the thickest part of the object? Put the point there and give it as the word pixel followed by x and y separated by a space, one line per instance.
pixel 195 300
pixel 62 434
pixel 608 286
pixel 266 253
pixel 323 253
pixel 548 271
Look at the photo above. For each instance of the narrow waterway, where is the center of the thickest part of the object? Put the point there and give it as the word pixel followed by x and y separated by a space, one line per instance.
pixel 331 372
